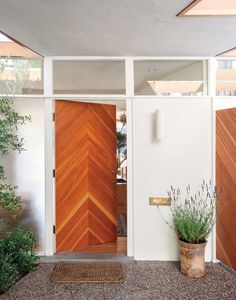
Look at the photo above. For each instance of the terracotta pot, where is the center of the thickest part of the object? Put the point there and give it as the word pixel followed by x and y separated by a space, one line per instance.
pixel 192 259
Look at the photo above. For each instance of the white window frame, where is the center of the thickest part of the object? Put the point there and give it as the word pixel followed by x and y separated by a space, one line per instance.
pixel 130 98
pixel 50 248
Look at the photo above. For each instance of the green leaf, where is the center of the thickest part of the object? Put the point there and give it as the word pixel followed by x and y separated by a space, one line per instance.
pixel 193 217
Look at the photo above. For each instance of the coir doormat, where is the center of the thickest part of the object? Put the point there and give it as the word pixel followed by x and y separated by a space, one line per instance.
pixel 88 272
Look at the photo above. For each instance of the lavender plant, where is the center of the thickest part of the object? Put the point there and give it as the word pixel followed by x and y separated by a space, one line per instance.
pixel 192 218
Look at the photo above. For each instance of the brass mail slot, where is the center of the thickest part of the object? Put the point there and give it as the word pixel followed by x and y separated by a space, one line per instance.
pixel 159 201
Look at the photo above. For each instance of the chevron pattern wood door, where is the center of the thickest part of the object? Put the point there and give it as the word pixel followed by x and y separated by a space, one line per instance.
pixel 226 186
pixel 85 174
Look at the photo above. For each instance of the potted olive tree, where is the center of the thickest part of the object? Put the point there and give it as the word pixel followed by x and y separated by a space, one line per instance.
pixel 192 218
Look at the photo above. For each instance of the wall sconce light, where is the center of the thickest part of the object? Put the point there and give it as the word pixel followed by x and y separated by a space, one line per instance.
pixel 159 130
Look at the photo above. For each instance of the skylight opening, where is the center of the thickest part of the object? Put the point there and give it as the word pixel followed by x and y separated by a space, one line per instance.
pixel 210 8
pixel 3 38
pixel 228 53
pixel 12 48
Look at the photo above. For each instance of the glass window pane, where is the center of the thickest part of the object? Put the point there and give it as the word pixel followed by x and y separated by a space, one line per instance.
pixel 88 77
pixel 170 78
pixel 226 78
pixel 21 76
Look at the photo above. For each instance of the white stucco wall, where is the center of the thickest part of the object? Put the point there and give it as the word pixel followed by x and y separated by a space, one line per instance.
pixel 182 158
pixel 26 170
pixel 224 103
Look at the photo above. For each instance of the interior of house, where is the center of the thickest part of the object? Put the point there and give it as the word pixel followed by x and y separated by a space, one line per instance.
pixel 117 154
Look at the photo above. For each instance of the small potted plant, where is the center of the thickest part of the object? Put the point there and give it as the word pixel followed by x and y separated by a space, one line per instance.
pixel 192 219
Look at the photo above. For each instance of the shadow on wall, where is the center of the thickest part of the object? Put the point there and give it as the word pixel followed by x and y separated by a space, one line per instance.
pixel 26 218
pixel 26 170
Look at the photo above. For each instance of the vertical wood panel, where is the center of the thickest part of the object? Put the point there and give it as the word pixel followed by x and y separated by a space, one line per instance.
pixel 85 174
pixel 226 185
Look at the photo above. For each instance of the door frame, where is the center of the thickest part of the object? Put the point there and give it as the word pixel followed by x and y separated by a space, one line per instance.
pixel 50 199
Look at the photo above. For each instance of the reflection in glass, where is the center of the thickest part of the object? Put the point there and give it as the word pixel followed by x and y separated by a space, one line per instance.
pixel 170 78
pixel 21 76
pixel 226 78
pixel 88 77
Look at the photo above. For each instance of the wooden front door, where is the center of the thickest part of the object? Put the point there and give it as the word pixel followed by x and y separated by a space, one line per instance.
pixel 226 186
pixel 85 174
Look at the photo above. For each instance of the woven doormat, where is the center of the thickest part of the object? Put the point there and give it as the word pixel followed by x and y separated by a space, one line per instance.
pixel 87 272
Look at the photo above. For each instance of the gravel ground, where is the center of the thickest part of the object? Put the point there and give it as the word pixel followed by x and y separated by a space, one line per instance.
pixel 143 280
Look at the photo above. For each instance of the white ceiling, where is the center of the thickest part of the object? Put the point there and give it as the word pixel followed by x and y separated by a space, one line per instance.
pixel 111 27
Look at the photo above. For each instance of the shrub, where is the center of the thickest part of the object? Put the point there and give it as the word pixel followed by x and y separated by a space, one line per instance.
pixel 8 272
pixel 194 216
pixel 17 256
pixel 8 199
pixel 20 244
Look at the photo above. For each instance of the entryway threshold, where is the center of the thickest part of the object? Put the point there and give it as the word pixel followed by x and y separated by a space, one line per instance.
pixel 85 257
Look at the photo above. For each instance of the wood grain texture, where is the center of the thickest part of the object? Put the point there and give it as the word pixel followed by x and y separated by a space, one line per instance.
pixel 121 198
pixel 117 247
pixel 85 174
pixel 226 185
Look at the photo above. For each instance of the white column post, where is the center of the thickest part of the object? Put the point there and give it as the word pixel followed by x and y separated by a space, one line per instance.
pixel 129 80
pixel 48 121
pixel 212 77
pixel 212 93
pixel 129 77
pixel 48 86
